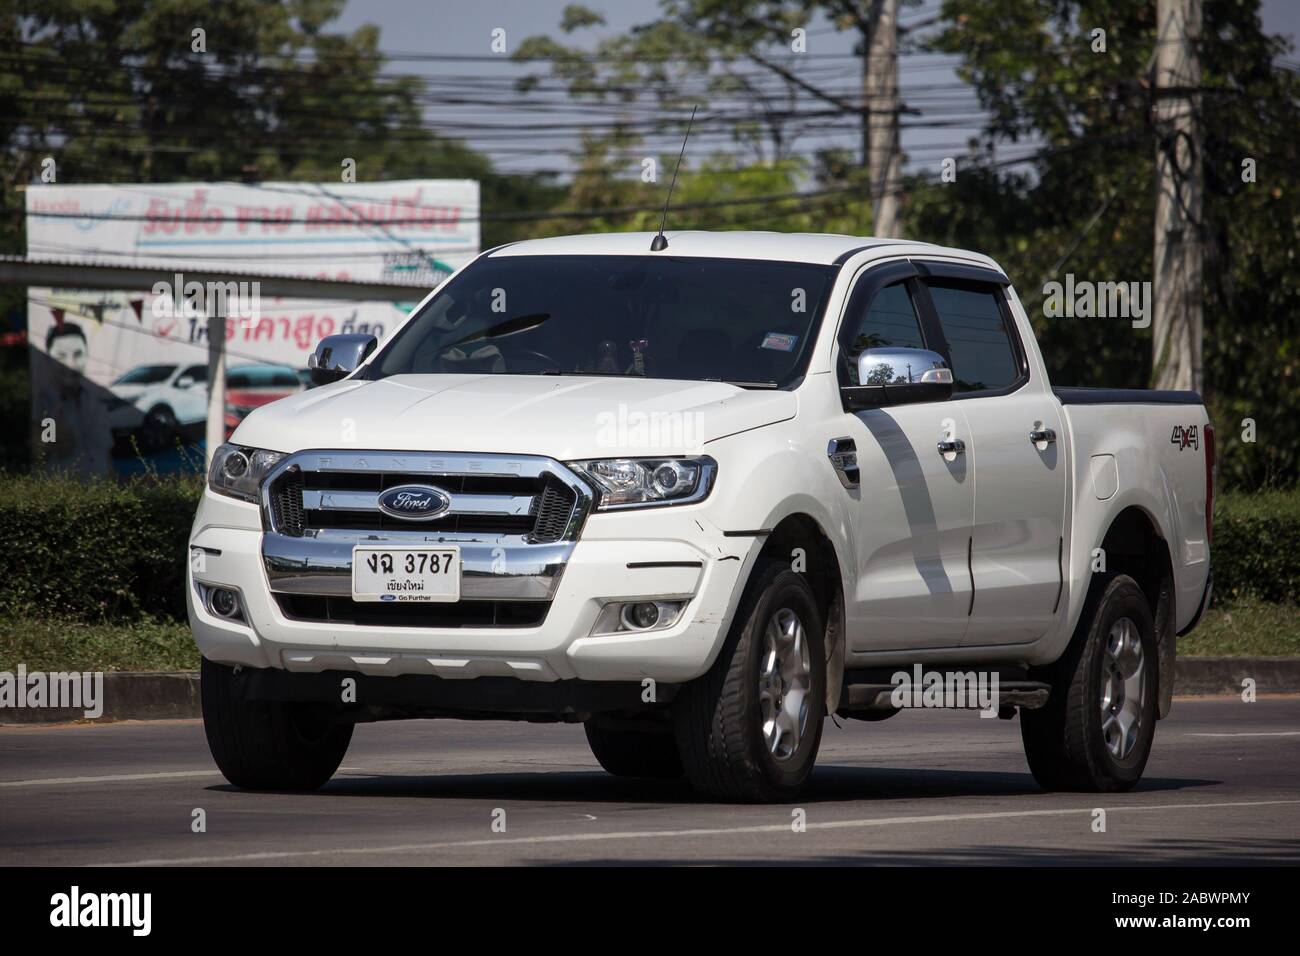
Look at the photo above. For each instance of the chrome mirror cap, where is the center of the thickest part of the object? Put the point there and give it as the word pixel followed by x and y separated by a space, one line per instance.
pixel 898 376
pixel 896 366
pixel 337 356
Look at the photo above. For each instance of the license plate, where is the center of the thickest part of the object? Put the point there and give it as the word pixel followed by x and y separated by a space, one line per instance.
pixel 405 574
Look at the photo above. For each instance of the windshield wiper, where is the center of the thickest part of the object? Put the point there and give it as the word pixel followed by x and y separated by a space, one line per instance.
pixel 520 323
pixel 745 384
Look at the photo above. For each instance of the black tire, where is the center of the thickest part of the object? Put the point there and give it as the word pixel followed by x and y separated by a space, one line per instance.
pixel 638 748
pixel 268 745
pixel 717 717
pixel 1065 742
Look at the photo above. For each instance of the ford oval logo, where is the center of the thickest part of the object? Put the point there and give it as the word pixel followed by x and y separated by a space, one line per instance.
pixel 414 502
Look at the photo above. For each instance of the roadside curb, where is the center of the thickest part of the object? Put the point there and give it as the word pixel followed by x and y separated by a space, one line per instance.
pixel 1200 676
pixel 171 695
pixel 128 695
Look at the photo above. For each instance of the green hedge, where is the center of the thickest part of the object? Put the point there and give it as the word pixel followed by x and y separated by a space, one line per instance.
pixel 1256 550
pixel 103 551
pixel 95 551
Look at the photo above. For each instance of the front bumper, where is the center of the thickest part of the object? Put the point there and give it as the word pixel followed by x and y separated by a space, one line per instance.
pixel 621 556
pixel 420 695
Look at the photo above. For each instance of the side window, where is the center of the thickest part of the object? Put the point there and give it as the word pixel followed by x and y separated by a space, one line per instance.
pixel 890 320
pixel 197 372
pixel 979 344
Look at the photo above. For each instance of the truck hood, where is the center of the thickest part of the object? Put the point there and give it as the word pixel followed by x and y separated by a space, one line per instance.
pixel 564 417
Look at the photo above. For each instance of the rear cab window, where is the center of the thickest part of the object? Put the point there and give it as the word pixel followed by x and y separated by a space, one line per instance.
pixel 983 348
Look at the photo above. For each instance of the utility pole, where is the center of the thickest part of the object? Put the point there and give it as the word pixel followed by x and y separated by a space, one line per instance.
pixel 1177 324
pixel 215 432
pixel 881 144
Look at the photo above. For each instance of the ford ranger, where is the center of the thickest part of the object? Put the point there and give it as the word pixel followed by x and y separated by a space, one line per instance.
pixel 700 495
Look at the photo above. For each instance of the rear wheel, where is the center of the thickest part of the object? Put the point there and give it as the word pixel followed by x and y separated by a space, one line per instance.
pixel 749 729
pixel 268 745
pixel 634 748
pixel 1095 732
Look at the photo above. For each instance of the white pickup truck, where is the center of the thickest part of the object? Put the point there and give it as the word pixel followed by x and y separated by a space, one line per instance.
pixel 699 498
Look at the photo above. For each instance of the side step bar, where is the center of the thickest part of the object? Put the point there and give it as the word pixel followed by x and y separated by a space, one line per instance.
pixel 873 689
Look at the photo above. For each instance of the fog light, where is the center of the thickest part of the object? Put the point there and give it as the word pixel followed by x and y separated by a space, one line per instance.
pixel 619 618
pixel 640 616
pixel 223 602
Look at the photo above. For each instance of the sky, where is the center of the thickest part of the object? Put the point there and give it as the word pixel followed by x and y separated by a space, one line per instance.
pixel 530 141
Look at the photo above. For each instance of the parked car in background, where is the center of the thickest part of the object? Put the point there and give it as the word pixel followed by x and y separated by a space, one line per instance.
pixel 252 386
pixel 158 402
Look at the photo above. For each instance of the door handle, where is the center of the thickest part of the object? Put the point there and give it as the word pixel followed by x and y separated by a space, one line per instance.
pixel 1042 436
pixel 951 446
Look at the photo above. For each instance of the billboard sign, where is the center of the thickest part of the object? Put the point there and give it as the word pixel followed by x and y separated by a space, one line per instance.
pixel 119 378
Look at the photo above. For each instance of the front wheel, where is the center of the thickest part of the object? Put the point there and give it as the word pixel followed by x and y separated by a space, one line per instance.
pixel 1095 732
pixel 749 729
pixel 268 745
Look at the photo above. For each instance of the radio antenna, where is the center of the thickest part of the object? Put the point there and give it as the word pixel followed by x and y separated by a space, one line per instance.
pixel 660 242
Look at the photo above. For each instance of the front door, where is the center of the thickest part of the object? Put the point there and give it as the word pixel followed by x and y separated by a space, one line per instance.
pixel 915 505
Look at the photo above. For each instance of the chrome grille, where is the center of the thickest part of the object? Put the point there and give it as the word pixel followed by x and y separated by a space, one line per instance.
pixel 550 512
pixel 514 519
pixel 538 507
pixel 286 504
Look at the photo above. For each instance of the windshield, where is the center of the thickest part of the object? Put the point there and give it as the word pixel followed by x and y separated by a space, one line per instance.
pixel 146 375
pixel 746 321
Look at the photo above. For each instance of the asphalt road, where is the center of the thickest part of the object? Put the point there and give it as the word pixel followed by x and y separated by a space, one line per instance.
pixel 1223 787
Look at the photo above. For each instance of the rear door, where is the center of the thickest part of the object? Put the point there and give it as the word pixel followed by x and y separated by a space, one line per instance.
pixel 1017 456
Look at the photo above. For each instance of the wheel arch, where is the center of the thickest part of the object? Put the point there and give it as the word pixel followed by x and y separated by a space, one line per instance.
pixel 800 539
pixel 1134 545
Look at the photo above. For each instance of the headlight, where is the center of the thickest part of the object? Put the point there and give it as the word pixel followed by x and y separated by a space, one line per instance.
pixel 642 482
pixel 238 471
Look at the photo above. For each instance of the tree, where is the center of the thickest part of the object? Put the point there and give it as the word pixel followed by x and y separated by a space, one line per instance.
pixel 738 48
pixel 1085 206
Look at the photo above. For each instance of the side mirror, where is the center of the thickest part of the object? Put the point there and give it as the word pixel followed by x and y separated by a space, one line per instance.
pixel 185 381
pixel 337 356
pixel 895 376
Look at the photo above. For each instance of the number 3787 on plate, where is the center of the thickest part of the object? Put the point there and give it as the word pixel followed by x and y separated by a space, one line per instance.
pixel 405 574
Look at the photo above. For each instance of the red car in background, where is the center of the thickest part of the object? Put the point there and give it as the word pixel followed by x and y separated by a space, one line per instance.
pixel 252 386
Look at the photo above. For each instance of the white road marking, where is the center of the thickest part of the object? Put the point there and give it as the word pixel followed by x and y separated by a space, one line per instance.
pixel 123 777
pixel 678 834
pixel 110 778
pixel 1271 733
